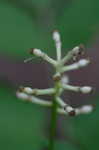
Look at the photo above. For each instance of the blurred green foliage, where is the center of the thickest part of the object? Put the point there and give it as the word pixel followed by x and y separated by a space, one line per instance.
pixel 86 129
pixel 21 124
pixel 25 24
pixel 18 32
pixel 80 22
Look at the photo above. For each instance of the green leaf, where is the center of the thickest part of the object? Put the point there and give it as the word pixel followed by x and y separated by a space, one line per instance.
pixel 64 145
pixel 85 129
pixel 21 124
pixel 79 22
pixel 18 32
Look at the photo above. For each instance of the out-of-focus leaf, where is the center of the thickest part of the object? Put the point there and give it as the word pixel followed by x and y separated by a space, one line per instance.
pixel 18 32
pixel 64 145
pixel 41 3
pixel 21 124
pixel 85 129
pixel 80 22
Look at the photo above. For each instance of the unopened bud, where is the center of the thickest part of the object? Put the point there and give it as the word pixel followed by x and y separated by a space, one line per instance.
pixel 56 36
pixel 69 110
pixel 22 96
pixel 28 90
pixel 86 89
pixel 65 79
pixel 86 109
pixel 76 50
pixel 36 52
pixel 83 62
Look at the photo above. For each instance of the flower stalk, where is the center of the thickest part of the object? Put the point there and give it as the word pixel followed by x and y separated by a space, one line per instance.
pixel 61 83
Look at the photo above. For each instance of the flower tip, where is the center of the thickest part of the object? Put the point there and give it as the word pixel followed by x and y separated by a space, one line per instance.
pixel 83 62
pixel 27 90
pixel 65 79
pixel 86 89
pixel 21 95
pixel 69 110
pixel 76 50
pixel 37 52
pixel 56 35
pixel 87 109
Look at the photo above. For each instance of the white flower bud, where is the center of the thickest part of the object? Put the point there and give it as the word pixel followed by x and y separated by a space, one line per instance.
pixel 65 79
pixel 37 52
pixel 86 109
pixel 28 90
pixel 56 36
pixel 75 50
pixel 69 109
pixel 21 95
pixel 86 89
pixel 83 62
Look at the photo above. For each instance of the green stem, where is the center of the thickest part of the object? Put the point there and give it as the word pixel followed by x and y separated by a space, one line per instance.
pixel 53 126
pixel 54 117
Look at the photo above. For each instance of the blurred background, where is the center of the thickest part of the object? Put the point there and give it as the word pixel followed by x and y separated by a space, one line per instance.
pixel 28 24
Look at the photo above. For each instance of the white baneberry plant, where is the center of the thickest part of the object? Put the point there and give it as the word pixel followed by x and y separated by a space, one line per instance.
pixel 60 84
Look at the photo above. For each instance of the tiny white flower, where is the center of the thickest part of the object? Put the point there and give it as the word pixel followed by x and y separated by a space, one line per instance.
pixel 37 52
pixel 65 79
pixel 56 36
pixel 83 62
pixel 28 90
pixel 86 109
pixel 22 96
pixel 86 89
pixel 75 50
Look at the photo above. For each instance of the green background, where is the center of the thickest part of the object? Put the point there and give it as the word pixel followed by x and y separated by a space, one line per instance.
pixel 29 23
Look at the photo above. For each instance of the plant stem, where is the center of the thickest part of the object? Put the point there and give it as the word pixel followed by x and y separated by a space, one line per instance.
pixel 53 126
pixel 54 117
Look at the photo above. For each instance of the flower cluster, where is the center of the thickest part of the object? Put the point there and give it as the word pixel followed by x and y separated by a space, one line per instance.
pixel 61 81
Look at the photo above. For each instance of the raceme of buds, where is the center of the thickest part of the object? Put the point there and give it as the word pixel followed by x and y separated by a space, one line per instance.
pixel 61 82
